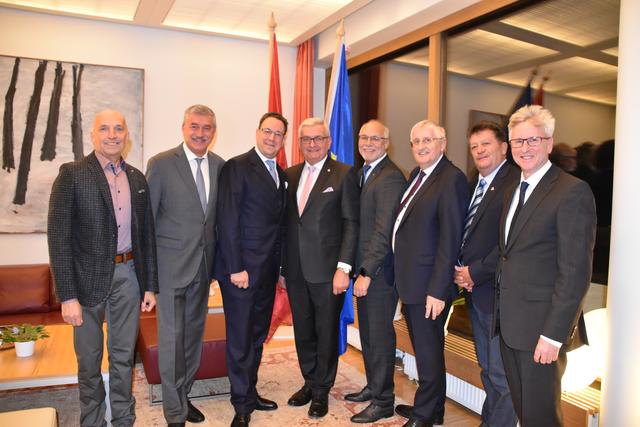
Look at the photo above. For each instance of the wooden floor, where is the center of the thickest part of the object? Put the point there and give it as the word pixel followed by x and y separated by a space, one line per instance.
pixel 455 414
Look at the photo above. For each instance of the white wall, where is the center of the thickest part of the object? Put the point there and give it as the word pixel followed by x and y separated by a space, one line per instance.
pixel 180 69
pixel 403 95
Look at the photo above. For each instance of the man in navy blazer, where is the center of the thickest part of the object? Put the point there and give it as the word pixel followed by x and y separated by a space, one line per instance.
pixel 478 259
pixel 250 224
pixel 547 233
pixel 426 239
pixel 322 235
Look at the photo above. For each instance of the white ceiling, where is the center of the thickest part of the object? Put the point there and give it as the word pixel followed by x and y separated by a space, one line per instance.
pixel 297 20
pixel 573 42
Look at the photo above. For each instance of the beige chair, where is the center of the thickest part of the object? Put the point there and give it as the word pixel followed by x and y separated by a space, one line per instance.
pixel 39 417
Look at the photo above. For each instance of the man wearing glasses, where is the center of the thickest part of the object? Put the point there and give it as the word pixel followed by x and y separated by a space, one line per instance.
pixel 381 185
pixel 547 233
pixel 250 224
pixel 322 235
pixel 426 238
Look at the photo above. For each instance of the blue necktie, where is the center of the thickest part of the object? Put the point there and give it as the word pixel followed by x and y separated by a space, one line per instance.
pixel 477 198
pixel 271 165
pixel 202 192
pixel 363 178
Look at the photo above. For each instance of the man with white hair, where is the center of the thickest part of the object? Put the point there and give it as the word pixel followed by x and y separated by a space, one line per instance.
pixel 426 238
pixel 547 233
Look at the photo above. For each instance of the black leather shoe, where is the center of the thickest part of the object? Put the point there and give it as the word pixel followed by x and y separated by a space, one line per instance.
pixel 300 397
pixel 414 422
pixel 263 404
pixel 241 420
pixel 175 424
pixel 438 420
pixel 319 407
pixel 193 414
pixel 372 413
pixel 404 410
pixel 363 395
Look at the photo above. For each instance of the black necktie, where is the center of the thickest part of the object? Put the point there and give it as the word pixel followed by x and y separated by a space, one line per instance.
pixel 523 190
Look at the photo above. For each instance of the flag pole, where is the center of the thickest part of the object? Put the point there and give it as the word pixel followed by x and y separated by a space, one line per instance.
pixel 335 68
pixel 271 23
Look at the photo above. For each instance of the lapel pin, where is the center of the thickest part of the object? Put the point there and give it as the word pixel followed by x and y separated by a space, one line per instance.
pixel 492 188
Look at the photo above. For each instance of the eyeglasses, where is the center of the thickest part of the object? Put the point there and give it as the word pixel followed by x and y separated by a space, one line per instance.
pixel 268 132
pixel 317 139
pixel 375 139
pixel 424 141
pixel 532 141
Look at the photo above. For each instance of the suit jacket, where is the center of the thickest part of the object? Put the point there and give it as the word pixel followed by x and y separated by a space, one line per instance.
pixel 429 236
pixel 184 234
pixel 327 230
pixel 545 270
pixel 480 251
pixel 83 233
pixel 250 219
pixel 379 198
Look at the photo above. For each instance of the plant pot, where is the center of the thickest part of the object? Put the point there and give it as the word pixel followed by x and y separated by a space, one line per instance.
pixel 25 349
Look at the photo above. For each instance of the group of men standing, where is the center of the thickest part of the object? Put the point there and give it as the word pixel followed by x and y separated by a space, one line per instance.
pixel 519 247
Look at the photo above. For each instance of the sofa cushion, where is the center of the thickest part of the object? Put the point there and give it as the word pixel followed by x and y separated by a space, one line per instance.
pixel 24 289
pixel 213 362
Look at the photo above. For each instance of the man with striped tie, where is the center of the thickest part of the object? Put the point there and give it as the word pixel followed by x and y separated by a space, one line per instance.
pixel 477 262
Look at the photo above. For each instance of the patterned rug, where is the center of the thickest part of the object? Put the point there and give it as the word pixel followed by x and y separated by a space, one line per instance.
pixel 279 377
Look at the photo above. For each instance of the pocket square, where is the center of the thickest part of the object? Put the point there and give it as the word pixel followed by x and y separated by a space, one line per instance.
pixel 328 190
pixel 141 190
pixel 286 185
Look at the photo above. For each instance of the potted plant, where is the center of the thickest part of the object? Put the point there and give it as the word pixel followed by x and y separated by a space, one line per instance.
pixel 24 336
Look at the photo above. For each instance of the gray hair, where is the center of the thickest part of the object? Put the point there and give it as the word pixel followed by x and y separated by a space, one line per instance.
pixel 537 115
pixel 438 130
pixel 385 129
pixel 313 121
pixel 201 110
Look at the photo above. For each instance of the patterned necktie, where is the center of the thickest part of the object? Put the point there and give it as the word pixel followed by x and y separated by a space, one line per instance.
pixel 271 165
pixel 363 177
pixel 421 176
pixel 306 190
pixel 473 209
pixel 202 193
pixel 523 190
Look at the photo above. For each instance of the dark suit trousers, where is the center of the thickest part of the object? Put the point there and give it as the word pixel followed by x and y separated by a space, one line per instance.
pixel 121 310
pixel 497 409
pixel 316 319
pixel 427 337
pixel 378 339
pixel 182 314
pixel 535 388
pixel 248 317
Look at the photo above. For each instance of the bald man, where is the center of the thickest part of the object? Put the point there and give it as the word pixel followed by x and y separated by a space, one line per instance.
pixel 103 257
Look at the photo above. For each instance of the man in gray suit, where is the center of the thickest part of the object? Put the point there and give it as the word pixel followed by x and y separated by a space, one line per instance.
pixel 547 232
pixel 184 186
pixel 381 185
pixel 102 255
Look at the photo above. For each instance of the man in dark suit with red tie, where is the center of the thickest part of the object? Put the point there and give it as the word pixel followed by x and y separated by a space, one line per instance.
pixel 250 224
pixel 426 239
pixel 322 236
pixel 547 233
pixel 478 259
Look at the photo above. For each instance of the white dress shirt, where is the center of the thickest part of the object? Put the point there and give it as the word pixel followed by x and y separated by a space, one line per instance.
pixel 264 162
pixel 204 166
pixel 427 172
